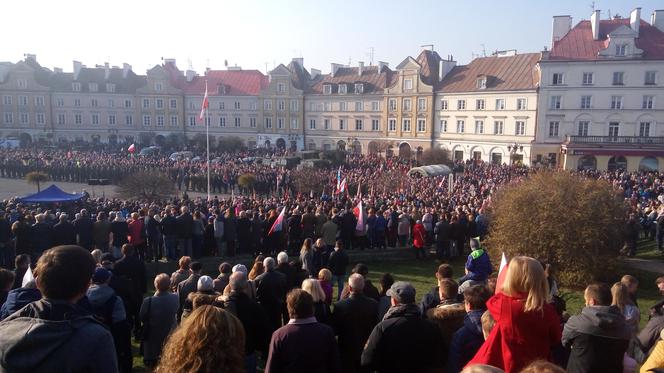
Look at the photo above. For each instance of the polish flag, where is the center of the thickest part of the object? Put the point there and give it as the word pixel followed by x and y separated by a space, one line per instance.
pixel 27 277
pixel 131 148
pixel 342 186
pixel 279 223
pixel 205 103
pixel 502 272
pixel 359 227
pixel 339 179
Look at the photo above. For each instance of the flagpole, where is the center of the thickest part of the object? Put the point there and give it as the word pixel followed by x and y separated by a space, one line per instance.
pixel 207 140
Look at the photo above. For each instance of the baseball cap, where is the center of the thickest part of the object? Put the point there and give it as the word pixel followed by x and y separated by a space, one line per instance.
pixel 403 292
pixel 101 275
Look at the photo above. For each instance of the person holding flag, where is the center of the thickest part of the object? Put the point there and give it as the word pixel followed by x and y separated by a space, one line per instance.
pixel 272 241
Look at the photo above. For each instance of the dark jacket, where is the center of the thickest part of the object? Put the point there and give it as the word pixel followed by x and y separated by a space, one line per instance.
pixel 42 239
pixel 169 226
pixel 83 227
pixel 338 262
pixel 120 230
pixel 353 320
pixel 648 336
pixel 254 320
pixel 64 234
pixel 186 287
pixel 133 269
pixel 288 271
pixel 271 294
pixel 185 226
pixel 54 336
pixel 403 342
pixel 369 290
pixel 465 342
pixel 598 337
pixel 17 299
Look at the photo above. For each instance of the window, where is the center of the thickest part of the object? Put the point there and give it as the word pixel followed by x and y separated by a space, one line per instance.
pixel 343 89
pixel 520 128
pixel 22 83
pixel 222 105
pixel 405 125
pixel 586 101
pixel 359 106
pixel 558 79
pixel 222 121
pixel 481 83
pixel 280 123
pixel 159 103
pixel 174 120
pixel 252 122
pixel 78 118
pixel 616 102
pixel 294 105
pixel 76 87
pixel 644 129
pixel 146 120
pixel 312 106
pixel 461 126
pixel 281 88
pixel 421 125
pixel 95 119
pixel 40 118
pixel 651 78
pixel 39 100
pixel 342 125
pixel 375 124
pixel 359 88
pixel 392 104
pixel 554 128
pixel 61 119
pixel 236 122
pixel 443 105
pixel 160 120
pixel 479 126
pixel 498 127
pixel 77 102
pixel 158 87
pixel 408 84
pixel 110 87
pixel 479 104
pixel 443 125
pixel 111 102
pixel 521 104
pixel 173 103
pixel 94 102
pixel 146 103
pixel 312 124
pixel 583 128
pixel 281 105
pixel 406 104
pixel 587 79
pixel 500 104
pixel 129 120
pixel 268 123
pixel 293 124
pixel 358 124
pixel 192 121
pixel 326 124
pixel 127 103
pixel 208 121
pixel 391 125
pixel 343 106
pixel 23 100
pixel 267 105
pixel 375 106
pixel 618 78
pixel 614 129
pixel 9 118
pixel 327 89
pixel 421 104
pixel 6 100
pixel 461 104
pixel 648 102
pixel 24 118
pixel 621 50
pixel 252 105
pixel 555 103
pixel 93 87
pixel 60 102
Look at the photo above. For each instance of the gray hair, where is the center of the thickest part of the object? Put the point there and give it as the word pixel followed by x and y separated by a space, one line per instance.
pixel 282 257
pixel 356 282
pixel 269 263
pixel 238 281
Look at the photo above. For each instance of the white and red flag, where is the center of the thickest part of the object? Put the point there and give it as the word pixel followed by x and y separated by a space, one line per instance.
pixel 359 227
pixel 205 103
pixel 502 271
pixel 131 148
pixel 279 223
pixel 342 186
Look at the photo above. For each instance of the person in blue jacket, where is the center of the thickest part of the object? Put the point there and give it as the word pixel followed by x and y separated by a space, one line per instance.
pixel 478 266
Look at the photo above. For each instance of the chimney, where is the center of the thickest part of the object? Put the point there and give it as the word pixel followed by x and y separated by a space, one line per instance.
pixel 635 20
pixel 169 61
pixel 315 73
pixel 234 68
pixel 594 23
pixel 57 70
pixel 334 67
pixel 561 26
pixel 30 56
pixel 360 68
pixel 382 64
pixel 190 74
pixel 657 19
pixel 444 67
pixel 107 71
pixel 126 68
pixel 77 69
pixel 299 61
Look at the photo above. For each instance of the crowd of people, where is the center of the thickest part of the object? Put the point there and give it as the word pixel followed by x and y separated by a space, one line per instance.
pixel 301 306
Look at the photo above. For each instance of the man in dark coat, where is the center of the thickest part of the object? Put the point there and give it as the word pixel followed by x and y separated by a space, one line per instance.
pixel 369 289
pixel 185 229
pixel 132 268
pixel 64 232
pixel 84 226
pixel 442 232
pixel 42 236
pixel 271 292
pixel 353 319
pixel 403 341
pixel 467 340
pixel 190 285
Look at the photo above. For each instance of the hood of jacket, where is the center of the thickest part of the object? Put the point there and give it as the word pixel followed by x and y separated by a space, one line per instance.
pixel 603 321
pixel 403 310
pixel 99 294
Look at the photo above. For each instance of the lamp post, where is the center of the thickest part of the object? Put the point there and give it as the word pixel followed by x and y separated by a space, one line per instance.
pixel 513 149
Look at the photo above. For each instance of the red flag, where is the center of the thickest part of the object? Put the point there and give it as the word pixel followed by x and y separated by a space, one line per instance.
pixel 360 218
pixel 131 148
pixel 205 103
pixel 278 224
pixel 502 272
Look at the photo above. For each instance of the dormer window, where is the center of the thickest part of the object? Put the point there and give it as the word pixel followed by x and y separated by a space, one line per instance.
pixel 158 87
pixel 22 83
pixel 359 88
pixel 481 82
pixel 76 87
pixel 343 89
pixel 221 89
pixel 621 50
pixel 327 89
pixel 110 87
pixel 281 88
pixel 93 87
pixel 408 84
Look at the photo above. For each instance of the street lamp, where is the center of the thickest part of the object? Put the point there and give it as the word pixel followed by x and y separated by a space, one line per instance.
pixel 513 150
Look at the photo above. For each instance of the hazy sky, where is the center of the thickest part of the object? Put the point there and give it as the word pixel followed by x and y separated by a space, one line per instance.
pixel 259 33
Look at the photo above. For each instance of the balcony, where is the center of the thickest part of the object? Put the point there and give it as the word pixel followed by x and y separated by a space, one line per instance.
pixel 616 140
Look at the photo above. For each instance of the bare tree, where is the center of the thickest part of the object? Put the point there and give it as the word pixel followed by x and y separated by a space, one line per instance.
pixel 36 178
pixel 308 179
pixel 146 185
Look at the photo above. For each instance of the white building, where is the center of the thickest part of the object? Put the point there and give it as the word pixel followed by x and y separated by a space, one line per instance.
pixel 601 99
pixel 486 110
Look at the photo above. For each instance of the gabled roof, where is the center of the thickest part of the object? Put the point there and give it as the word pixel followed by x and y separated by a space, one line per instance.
pixel 62 82
pixel 578 43
pixel 430 62
pixel 374 81
pixel 502 73
pixel 235 82
pixel 300 76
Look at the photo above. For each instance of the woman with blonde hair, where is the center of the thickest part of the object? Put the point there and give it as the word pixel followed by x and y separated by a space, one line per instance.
pixel 307 256
pixel 526 325
pixel 321 309
pixel 325 280
pixel 622 300
pixel 209 340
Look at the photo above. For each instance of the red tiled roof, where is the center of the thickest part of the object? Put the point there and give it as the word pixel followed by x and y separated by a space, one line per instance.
pixel 237 83
pixel 373 80
pixel 503 74
pixel 578 44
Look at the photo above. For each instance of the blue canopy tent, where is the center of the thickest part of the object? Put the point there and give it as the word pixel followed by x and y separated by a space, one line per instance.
pixel 50 195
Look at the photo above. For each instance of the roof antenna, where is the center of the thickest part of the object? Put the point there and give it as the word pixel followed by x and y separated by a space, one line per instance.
pixel 592 6
pixel 371 55
pixel 427 45
pixel 483 50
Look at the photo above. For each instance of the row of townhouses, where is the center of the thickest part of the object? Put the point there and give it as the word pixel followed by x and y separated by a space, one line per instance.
pixel 594 99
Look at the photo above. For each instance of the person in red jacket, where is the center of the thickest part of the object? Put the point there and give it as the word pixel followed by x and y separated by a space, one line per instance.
pixel 419 239
pixel 526 325
pixel 136 236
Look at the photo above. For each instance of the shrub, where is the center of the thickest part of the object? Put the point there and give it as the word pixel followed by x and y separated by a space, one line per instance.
pixel 247 180
pixel 146 185
pixel 571 222
pixel 435 156
pixel 36 178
